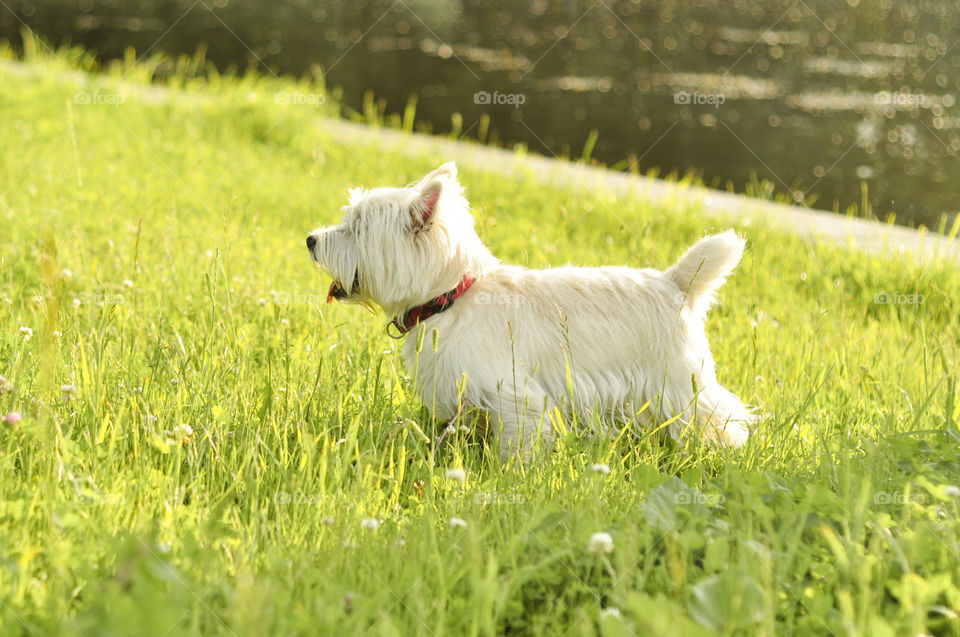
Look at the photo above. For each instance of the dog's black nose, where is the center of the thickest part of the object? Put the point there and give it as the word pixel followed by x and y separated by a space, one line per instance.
pixel 311 241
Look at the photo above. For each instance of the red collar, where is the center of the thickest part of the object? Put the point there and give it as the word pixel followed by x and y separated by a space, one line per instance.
pixel 411 317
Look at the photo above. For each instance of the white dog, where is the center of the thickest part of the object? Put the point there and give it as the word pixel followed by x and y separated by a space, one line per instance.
pixel 529 346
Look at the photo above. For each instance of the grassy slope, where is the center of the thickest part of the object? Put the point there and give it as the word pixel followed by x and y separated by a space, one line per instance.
pixel 110 521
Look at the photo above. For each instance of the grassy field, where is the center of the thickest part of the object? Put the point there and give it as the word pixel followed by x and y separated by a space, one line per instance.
pixel 194 443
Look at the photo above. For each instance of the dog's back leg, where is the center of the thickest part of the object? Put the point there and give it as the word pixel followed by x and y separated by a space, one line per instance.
pixel 723 416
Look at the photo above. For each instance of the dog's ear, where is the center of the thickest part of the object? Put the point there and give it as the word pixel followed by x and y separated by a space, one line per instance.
pixel 421 212
pixel 448 170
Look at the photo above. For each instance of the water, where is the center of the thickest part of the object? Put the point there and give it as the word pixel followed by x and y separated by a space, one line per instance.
pixel 836 104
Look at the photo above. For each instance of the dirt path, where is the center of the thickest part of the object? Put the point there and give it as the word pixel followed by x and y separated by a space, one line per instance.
pixel 815 225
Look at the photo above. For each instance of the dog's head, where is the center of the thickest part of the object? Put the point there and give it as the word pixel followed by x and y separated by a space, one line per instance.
pixel 400 247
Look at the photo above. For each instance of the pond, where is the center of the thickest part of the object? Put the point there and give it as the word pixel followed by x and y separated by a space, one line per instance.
pixel 846 106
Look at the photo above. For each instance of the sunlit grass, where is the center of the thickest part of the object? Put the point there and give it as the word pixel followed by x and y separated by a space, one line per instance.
pixel 204 442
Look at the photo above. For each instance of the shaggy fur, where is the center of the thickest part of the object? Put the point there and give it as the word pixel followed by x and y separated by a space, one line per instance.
pixel 522 343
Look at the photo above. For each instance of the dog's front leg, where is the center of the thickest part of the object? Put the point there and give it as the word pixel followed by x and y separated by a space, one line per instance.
pixel 525 422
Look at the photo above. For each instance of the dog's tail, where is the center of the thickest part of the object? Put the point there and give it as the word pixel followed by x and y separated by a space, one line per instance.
pixel 704 267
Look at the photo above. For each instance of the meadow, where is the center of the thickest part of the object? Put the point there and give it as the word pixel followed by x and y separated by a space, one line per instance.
pixel 193 443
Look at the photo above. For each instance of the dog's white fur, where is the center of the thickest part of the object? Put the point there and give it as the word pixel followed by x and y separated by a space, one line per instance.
pixel 585 341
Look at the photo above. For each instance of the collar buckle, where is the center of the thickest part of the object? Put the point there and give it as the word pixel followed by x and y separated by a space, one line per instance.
pixel 400 331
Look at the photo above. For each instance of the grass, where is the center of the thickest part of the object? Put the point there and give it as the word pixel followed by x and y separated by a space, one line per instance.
pixel 154 248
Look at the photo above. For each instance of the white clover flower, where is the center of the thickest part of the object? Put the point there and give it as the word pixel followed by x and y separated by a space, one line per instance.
pixel 609 611
pixel 451 430
pixel 6 387
pixel 127 283
pixel 68 391
pixel 458 523
pixel 601 468
pixel 327 521
pixel 371 524
pixel 457 474
pixel 183 433
pixel 951 491
pixel 77 302
pixel 26 333
pixel 600 543
pixel 66 274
